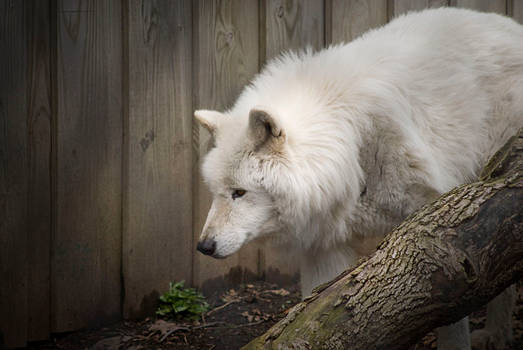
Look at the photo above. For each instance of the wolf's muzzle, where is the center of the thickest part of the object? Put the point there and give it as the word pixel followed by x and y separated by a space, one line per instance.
pixel 207 246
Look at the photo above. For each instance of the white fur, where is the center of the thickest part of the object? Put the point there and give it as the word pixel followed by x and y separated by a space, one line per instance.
pixel 370 131
pixel 452 337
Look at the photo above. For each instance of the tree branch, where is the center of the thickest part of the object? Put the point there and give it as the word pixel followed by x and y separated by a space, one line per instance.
pixel 439 265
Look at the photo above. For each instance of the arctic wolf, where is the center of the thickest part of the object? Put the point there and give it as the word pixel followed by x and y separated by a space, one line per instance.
pixel 324 153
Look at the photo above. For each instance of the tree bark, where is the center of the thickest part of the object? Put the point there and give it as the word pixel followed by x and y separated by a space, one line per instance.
pixel 439 265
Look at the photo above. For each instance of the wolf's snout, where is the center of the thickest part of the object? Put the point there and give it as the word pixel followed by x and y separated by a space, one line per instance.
pixel 207 246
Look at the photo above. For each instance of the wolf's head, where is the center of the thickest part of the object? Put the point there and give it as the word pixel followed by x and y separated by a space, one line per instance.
pixel 240 173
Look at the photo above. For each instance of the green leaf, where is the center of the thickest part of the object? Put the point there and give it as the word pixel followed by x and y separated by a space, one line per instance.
pixel 180 302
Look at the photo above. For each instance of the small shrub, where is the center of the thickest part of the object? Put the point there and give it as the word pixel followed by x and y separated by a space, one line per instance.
pixel 180 302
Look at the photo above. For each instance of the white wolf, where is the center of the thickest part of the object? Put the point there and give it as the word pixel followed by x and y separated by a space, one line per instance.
pixel 326 152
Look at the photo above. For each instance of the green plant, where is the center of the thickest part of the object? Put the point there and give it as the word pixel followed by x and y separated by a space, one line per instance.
pixel 180 302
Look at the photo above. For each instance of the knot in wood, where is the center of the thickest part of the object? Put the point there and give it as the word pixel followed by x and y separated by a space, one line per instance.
pixel 229 37
pixel 280 12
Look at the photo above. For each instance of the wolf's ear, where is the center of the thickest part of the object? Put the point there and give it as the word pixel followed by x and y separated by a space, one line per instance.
pixel 265 128
pixel 208 119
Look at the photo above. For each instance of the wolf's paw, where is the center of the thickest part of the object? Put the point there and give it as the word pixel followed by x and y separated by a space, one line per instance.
pixel 484 339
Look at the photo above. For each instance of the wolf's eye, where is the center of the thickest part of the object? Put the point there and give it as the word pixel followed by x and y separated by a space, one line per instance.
pixel 238 193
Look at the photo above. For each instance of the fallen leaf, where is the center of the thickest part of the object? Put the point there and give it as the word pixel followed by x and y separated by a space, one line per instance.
pixel 166 328
pixel 283 292
pixel 248 316
pixel 230 295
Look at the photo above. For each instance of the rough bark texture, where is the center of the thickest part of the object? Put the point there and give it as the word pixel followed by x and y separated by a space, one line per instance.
pixel 440 264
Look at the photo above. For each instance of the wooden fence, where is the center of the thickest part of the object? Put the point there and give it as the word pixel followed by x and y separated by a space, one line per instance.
pixel 101 202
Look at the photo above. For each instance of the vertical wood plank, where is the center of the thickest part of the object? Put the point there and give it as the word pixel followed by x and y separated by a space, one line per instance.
pixel 403 6
pixel 517 10
pixel 398 7
pixel 157 241
pixel 289 25
pixel 39 196
pixel 499 6
pixel 86 250
pixel 13 171
pixel 293 24
pixel 351 18
pixel 226 57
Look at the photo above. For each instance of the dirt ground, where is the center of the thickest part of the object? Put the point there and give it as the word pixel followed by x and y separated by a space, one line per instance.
pixel 236 317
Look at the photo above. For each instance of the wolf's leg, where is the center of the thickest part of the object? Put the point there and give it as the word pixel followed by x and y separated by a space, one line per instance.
pixel 322 266
pixel 498 328
pixel 455 336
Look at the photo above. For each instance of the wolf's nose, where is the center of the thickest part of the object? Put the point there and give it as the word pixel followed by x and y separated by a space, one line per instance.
pixel 207 246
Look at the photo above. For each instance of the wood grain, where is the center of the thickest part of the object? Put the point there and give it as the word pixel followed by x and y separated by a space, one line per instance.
pixel 39 125
pixel 226 58
pixel 86 246
pixel 398 7
pixel 157 236
pixel 292 25
pixel 349 19
pixel 13 171
pixel 517 10
pixel 499 6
